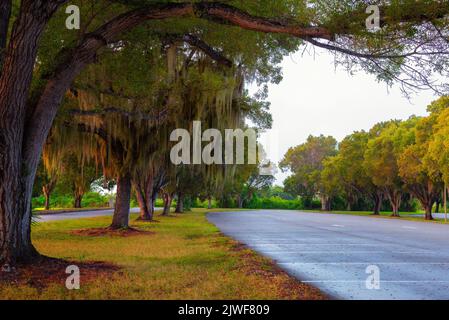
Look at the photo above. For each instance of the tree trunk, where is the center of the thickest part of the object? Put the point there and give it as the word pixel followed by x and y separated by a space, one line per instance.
pixel 47 190
pixel 377 206
pixel 180 203
pixel 78 196
pixel 150 207
pixel 377 199
pixel 47 201
pixel 15 232
pixel 395 198
pixel 153 199
pixel 209 202
pixel 146 213
pixel 120 219
pixel 427 196
pixel 437 208
pixel 16 173
pixel 167 203
pixel 15 224
pixel 352 200
pixel 240 201
pixel 78 201
pixel 428 209
pixel 325 203
pixel 144 206
pixel 143 186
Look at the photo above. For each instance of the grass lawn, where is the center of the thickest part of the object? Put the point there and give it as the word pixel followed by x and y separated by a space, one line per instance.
pixel 180 257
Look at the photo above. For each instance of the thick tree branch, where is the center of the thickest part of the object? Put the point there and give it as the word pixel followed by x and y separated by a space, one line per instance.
pixel 222 13
pixel 208 50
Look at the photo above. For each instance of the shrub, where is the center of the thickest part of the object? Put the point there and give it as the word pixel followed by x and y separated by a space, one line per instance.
pixel 90 200
pixel 94 199
pixel 204 204
pixel 275 203
pixel 159 203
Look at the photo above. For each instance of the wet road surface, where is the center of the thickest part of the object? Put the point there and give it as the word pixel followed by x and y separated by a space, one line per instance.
pixel 339 253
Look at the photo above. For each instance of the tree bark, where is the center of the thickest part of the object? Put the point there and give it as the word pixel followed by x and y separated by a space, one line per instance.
pixel 377 199
pixel 78 196
pixel 47 190
pixel 427 195
pixel 143 186
pixel 16 174
pixel 395 197
pixel 427 205
pixel 47 201
pixel 180 203
pixel 325 203
pixel 78 201
pixel 167 203
pixel 5 15
pixel 145 213
pixel 351 201
pixel 240 201
pixel 428 210
pixel 120 219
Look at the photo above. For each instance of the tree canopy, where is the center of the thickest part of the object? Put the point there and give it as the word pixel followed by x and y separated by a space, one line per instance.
pixel 395 160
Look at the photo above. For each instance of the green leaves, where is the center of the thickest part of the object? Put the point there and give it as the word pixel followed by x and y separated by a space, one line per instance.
pixel 306 163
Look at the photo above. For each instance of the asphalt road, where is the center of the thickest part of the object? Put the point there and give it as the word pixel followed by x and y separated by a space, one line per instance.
pixel 77 215
pixel 333 252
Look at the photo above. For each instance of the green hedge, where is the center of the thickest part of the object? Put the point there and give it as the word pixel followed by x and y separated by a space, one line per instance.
pixel 90 200
pixel 275 203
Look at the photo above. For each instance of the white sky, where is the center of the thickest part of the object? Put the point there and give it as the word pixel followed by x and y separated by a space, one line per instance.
pixel 316 98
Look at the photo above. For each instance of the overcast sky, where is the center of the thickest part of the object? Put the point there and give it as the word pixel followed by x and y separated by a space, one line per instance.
pixel 316 98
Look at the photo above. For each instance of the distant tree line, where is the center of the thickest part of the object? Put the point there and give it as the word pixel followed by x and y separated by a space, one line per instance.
pixel 396 162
